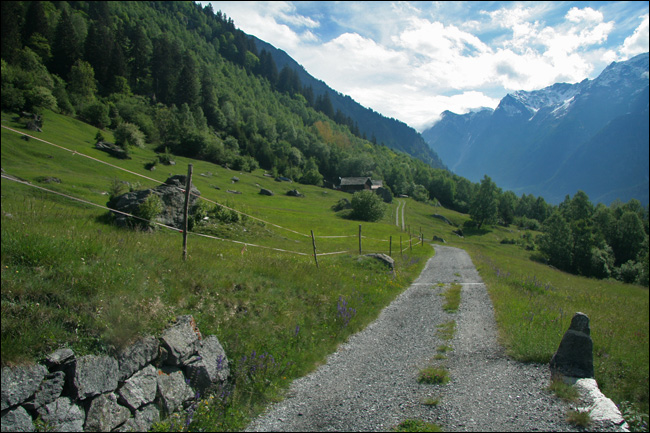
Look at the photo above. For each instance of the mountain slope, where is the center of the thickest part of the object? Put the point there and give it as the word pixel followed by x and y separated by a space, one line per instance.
pixel 393 133
pixel 590 136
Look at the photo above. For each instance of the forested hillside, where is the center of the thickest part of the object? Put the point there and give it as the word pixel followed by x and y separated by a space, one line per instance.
pixel 183 80
pixel 188 80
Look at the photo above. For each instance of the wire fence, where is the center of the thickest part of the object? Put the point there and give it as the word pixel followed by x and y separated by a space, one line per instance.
pixel 315 254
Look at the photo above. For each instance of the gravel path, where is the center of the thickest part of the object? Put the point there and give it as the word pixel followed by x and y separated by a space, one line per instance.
pixel 370 382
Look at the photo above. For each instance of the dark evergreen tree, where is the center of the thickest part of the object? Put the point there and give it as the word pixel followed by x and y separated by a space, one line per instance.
pixel 68 46
pixel 12 20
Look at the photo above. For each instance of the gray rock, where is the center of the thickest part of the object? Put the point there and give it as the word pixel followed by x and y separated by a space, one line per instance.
pixel 62 416
pixel 173 390
pixel 383 258
pixel 59 357
pixel 17 420
pixel 112 149
pixel 574 356
pixel 171 194
pixel 439 239
pixel 94 375
pixel 443 218
pixel 140 389
pixel 265 191
pixel 181 341
pixel 294 193
pixel 136 356
pixel 146 416
pixel 51 388
pixel 20 383
pixel 105 414
pixel 209 367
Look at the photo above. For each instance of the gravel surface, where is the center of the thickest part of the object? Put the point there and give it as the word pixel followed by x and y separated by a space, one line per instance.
pixel 370 382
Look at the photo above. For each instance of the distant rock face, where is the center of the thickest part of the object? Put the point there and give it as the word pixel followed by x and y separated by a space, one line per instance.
pixel 172 197
pixel 590 136
pixel 574 357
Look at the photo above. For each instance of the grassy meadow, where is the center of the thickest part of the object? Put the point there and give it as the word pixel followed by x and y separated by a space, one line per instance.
pixel 70 278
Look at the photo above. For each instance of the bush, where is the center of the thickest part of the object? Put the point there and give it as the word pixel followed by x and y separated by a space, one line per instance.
pixel 96 114
pixel 128 134
pixel 149 210
pixel 367 206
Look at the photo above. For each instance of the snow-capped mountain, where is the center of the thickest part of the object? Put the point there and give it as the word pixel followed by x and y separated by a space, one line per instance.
pixel 590 136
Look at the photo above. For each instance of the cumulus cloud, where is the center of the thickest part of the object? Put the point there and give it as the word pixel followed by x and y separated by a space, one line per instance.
pixel 412 61
pixel 637 43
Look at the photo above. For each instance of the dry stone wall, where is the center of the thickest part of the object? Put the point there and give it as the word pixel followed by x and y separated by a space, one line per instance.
pixel 154 377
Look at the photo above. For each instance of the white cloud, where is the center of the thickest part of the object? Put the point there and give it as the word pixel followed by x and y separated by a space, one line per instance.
pixel 637 43
pixel 411 61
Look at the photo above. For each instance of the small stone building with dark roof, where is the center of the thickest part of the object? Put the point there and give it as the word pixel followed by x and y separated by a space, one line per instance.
pixel 354 184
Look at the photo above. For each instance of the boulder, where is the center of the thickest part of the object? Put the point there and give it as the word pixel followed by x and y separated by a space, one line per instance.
pixel 63 415
pixel 574 357
pixel 294 193
pixel 58 358
pixel 140 389
pixel 443 218
pixel 144 419
pixel 209 367
pixel 171 194
pixel 173 390
pixel 20 383
pixel 105 414
pixel 137 355
pixel 51 389
pixel 181 341
pixel 17 420
pixel 438 239
pixel 94 375
pixel 112 149
pixel 384 258
pixel 265 191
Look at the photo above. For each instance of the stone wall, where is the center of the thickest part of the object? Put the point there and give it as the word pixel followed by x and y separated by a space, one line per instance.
pixel 154 377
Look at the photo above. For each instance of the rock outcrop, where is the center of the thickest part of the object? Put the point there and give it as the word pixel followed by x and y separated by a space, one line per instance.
pixel 128 392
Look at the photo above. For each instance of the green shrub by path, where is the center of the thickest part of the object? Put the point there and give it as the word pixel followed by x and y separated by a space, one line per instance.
pixel 433 375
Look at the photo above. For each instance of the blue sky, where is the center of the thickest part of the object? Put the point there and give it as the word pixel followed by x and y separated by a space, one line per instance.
pixel 413 60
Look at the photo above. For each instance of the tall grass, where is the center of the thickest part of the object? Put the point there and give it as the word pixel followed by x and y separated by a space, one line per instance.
pixel 534 305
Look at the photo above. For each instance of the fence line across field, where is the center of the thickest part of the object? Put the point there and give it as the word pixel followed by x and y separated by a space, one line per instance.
pixel 187 191
pixel 246 244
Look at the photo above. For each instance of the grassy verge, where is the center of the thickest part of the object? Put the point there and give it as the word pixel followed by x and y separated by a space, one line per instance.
pixel 69 278
pixel 534 305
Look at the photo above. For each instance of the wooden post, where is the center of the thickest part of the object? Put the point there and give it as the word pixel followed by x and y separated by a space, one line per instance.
pixel 390 246
pixel 359 239
pixel 188 185
pixel 313 242
pixel 421 239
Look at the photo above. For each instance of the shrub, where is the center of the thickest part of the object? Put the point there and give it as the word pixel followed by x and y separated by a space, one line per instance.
pixel 128 134
pixel 367 206
pixel 149 210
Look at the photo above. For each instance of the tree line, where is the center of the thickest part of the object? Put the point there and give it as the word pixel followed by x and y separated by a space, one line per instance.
pixel 183 79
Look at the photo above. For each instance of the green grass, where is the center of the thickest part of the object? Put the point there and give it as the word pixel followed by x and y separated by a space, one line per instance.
pixel 69 278
pixel 433 375
pixel 416 425
pixel 564 390
pixel 452 298
pixel 579 418
pixel 534 305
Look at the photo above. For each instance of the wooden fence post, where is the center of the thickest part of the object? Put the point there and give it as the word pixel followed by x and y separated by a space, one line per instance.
pixel 313 242
pixel 188 185
pixel 390 246
pixel 359 239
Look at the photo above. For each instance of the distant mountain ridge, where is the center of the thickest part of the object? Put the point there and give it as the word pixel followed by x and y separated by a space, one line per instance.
pixel 393 133
pixel 590 136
